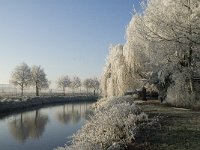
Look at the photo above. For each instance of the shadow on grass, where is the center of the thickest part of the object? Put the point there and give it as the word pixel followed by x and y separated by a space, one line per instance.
pixel 180 129
pixel 170 139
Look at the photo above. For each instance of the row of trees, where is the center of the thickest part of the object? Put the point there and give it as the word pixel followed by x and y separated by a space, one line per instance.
pixel 24 76
pixel 75 83
pixel 162 48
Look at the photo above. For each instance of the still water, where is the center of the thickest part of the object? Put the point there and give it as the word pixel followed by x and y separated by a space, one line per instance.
pixel 42 129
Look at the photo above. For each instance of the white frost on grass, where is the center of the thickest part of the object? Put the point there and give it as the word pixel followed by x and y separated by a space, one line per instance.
pixel 115 121
pixel 105 102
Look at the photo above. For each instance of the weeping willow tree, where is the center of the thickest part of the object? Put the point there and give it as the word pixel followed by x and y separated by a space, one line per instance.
pixel 117 76
pixel 126 64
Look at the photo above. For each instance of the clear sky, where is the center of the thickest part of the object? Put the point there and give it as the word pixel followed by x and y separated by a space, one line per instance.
pixel 65 37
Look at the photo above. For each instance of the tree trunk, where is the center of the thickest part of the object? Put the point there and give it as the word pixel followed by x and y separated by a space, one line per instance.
pixel 72 91
pixel 22 92
pixel 190 47
pixel 36 116
pixel 63 91
pixel 191 85
pixel 63 110
pixel 143 94
pixel 21 119
pixel 37 89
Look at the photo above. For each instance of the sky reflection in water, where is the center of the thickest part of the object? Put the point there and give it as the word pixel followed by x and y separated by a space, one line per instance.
pixel 43 129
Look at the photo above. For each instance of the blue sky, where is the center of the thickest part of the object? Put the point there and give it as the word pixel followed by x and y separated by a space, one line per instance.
pixel 65 37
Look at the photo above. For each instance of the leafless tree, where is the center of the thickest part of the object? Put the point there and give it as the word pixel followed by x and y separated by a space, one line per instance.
pixel 91 83
pixel 64 82
pixel 75 83
pixel 21 76
pixel 38 79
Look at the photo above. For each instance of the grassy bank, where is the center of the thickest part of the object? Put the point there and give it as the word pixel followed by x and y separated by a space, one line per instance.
pixel 124 124
pixel 180 128
pixel 116 124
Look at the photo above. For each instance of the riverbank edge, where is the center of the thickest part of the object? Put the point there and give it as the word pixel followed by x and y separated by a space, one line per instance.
pixel 8 107
pixel 139 128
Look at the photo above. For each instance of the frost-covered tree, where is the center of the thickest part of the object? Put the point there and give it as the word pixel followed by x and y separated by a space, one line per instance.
pixel 91 83
pixel 64 82
pixel 75 83
pixel 160 47
pixel 117 76
pixel 95 84
pixel 87 84
pixel 21 76
pixel 136 53
pixel 173 41
pixel 175 34
pixel 38 79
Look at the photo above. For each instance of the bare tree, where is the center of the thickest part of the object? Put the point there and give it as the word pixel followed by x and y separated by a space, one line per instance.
pixel 75 83
pixel 95 84
pixel 91 83
pixel 64 82
pixel 86 84
pixel 21 76
pixel 38 79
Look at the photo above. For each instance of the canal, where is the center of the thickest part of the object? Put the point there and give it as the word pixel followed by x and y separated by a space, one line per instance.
pixel 42 129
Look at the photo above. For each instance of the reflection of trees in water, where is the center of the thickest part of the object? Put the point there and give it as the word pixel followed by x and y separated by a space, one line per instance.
pixel 28 126
pixel 72 113
pixel 88 114
pixel 64 117
pixel 76 115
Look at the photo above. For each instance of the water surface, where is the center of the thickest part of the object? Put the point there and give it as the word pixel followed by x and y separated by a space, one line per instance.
pixel 42 129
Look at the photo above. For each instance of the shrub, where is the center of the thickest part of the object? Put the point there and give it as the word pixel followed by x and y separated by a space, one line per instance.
pixel 114 121
pixel 105 103
pixel 179 94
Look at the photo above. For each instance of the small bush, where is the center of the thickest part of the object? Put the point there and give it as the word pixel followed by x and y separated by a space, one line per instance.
pixel 180 94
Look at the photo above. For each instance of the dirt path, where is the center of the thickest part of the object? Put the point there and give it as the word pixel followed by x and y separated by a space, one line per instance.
pixel 180 128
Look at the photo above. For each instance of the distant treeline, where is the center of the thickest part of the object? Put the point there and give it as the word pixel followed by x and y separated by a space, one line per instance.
pixel 24 76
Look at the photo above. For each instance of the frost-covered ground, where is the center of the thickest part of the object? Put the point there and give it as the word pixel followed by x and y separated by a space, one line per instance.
pixel 8 105
pixel 116 123
pixel 121 123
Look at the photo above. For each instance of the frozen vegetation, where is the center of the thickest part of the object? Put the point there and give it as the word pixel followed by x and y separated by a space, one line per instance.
pixel 161 52
pixel 8 105
pixel 23 76
pixel 115 124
